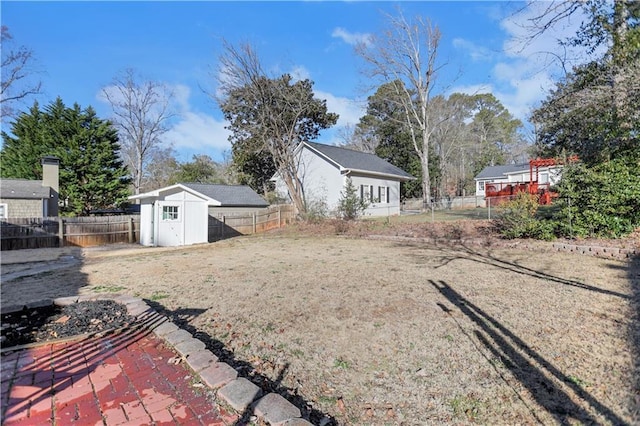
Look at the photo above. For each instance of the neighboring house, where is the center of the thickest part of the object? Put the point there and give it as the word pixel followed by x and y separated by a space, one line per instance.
pixel 499 176
pixel 31 198
pixel 324 169
pixel 178 215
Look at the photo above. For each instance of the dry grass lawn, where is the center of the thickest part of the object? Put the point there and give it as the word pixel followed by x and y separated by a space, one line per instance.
pixel 381 332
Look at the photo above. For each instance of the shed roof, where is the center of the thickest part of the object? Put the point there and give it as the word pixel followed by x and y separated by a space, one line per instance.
pixel 214 194
pixel 229 195
pixel 24 189
pixel 351 160
pixel 500 171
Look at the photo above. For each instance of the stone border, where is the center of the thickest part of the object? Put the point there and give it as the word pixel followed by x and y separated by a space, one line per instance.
pixel 597 251
pixel 606 252
pixel 237 392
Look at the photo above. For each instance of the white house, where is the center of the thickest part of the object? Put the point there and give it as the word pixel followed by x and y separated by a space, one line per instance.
pixel 510 174
pixel 179 214
pixel 324 169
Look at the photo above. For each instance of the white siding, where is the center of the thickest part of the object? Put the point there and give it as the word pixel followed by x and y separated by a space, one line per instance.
pixel 323 180
pixel 320 178
pixel 377 208
pixel 190 228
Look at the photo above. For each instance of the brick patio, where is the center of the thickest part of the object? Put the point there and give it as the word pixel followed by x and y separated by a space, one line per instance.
pixel 130 377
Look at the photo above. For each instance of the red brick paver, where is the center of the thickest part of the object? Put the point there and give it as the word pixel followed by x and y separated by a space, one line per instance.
pixel 123 378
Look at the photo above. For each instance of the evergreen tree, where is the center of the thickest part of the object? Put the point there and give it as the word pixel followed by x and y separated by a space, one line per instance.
pixel 350 205
pixel 92 175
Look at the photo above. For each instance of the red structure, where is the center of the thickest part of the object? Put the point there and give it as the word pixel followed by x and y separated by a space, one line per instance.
pixel 504 191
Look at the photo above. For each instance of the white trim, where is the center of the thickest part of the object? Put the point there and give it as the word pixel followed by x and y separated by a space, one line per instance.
pixel 4 210
pixel 157 194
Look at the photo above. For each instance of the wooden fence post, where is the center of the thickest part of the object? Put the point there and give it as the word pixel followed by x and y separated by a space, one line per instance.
pixel 279 217
pixel 60 232
pixel 224 221
pixel 130 230
pixel 254 222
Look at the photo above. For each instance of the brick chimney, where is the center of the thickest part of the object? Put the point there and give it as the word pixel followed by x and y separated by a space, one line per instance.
pixel 51 178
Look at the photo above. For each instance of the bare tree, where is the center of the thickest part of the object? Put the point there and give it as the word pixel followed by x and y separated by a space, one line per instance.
pixel 405 55
pixel 358 139
pixel 269 116
pixel 141 114
pixel 17 67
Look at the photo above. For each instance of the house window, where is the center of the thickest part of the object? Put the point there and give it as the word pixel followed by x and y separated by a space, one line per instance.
pixel 3 211
pixel 481 185
pixel 366 193
pixel 544 178
pixel 170 213
pixel 383 194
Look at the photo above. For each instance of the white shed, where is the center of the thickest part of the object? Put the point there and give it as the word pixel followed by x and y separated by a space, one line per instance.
pixel 179 214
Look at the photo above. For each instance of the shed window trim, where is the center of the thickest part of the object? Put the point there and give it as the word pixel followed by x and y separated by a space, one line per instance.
pixel 481 185
pixel 170 213
pixel 4 210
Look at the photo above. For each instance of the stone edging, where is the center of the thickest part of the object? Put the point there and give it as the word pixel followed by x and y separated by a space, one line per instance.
pixel 238 392
pixel 609 252
pixel 604 252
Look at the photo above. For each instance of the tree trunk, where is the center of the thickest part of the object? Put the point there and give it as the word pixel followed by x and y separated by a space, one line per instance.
pixel 426 181
pixel 295 192
pixel 138 176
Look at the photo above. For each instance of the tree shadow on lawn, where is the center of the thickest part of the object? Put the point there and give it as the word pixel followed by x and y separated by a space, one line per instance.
pixel 527 366
pixel 632 269
pixel 463 252
pixel 182 318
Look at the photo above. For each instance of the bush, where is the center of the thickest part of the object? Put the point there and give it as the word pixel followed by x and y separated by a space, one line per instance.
pixel 600 201
pixel 517 219
pixel 317 210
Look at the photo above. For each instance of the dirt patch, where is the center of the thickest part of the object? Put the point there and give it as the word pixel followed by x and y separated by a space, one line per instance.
pixel 384 332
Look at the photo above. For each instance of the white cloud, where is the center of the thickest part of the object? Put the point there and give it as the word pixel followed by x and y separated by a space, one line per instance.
pixel 351 38
pixel 299 72
pixel 190 130
pixel 195 130
pixel 180 96
pixel 530 66
pixel 198 131
pixel 349 110
pixel 477 53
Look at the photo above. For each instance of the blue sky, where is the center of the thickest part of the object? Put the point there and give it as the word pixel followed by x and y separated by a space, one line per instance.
pixel 81 46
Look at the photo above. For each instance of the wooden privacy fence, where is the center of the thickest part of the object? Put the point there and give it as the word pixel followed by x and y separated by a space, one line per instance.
pixel 23 233
pixel 225 226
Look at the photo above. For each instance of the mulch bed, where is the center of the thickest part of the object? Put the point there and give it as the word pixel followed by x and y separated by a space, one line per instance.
pixel 56 322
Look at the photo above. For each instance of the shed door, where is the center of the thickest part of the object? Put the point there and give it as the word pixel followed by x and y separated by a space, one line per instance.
pixel 170 218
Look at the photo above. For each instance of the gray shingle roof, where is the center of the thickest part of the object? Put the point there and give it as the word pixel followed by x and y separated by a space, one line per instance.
pixel 356 160
pixel 24 189
pixel 229 195
pixel 500 171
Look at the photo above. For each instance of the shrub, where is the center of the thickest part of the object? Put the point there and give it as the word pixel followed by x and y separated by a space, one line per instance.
pixel 517 219
pixel 600 201
pixel 317 210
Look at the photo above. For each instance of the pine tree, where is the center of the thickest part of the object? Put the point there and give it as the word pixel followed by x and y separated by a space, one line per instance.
pixel 92 176
pixel 350 205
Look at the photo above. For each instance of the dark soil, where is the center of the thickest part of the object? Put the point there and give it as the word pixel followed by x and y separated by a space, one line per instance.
pixel 55 322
